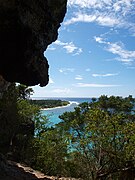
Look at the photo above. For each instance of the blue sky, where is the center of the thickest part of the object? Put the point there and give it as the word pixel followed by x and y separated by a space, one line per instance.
pixel 95 51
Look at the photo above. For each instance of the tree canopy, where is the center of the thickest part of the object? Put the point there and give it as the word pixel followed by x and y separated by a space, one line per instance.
pixel 95 141
pixel 102 138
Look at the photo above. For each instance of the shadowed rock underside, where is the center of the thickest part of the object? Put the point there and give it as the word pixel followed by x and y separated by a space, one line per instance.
pixel 26 29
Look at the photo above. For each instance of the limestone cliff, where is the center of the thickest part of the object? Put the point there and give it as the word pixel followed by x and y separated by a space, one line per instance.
pixel 26 29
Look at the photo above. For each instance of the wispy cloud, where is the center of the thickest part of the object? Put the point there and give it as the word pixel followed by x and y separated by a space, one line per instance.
pixel 105 75
pixel 79 17
pixel 60 43
pixel 131 67
pixel 62 91
pixel 88 4
pixel 51 81
pixel 70 47
pixel 84 85
pixel 125 61
pixel 78 77
pixel 51 48
pixel 112 13
pixel 79 51
pixel 87 70
pixel 66 70
pixel 103 19
pixel 123 6
pixel 118 48
pixel 100 40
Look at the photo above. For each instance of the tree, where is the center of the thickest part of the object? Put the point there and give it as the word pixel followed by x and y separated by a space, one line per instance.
pixel 24 91
pixel 16 118
pixel 49 151
pixel 8 118
pixel 102 138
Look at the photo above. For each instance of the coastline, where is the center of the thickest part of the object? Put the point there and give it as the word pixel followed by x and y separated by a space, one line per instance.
pixel 70 102
pixel 43 109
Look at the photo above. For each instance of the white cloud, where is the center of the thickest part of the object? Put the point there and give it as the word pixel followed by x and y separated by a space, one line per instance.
pixel 124 6
pixel 131 67
pixel 95 85
pixel 89 3
pixel 51 48
pixel 87 70
pixel 62 91
pixel 112 13
pixel 80 18
pixel 69 46
pixel 116 6
pixel 107 20
pixel 58 42
pixel 118 48
pixel 51 81
pixel 102 19
pixel 125 61
pixel 66 70
pixel 48 91
pixel 78 77
pixel 105 75
pixel 78 52
pixel 99 40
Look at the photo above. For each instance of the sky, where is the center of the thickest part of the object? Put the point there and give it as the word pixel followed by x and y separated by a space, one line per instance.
pixel 94 54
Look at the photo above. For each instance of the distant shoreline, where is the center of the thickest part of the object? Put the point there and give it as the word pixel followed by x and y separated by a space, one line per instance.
pixel 50 103
pixel 51 108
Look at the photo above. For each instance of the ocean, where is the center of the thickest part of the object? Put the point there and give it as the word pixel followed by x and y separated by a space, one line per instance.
pixel 54 113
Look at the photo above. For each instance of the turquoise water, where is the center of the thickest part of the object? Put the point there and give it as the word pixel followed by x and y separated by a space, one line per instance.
pixel 56 112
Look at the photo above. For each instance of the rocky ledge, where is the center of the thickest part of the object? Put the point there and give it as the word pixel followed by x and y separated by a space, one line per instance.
pixel 10 170
pixel 26 29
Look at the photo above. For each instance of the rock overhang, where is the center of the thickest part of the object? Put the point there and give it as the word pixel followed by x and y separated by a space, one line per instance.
pixel 26 29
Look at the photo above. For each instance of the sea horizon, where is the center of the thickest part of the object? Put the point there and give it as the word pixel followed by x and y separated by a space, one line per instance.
pixel 61 97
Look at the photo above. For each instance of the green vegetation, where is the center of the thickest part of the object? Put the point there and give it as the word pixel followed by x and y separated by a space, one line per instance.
pixel 49 103
pixel 17 121
pixel 96 141
pixel 102 138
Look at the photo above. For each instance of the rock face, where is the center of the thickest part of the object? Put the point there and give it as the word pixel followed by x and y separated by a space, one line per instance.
pixel 26 29
pixel 10 170
pixel 3 86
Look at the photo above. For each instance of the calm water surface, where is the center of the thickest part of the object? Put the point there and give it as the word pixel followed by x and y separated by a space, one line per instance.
pixel 56 112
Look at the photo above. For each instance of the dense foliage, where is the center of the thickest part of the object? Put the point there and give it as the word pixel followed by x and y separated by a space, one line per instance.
pixel 102 138
pixel 49 103
pixel 8 118
pixel 16 119
pixel 96 141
